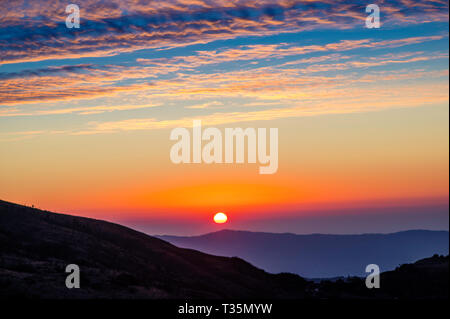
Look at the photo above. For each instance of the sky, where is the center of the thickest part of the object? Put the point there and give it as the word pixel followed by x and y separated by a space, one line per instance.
pixel 362 114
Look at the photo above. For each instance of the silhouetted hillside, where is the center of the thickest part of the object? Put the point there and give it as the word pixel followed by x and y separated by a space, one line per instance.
pixel 117 262
pixel 317 255
pixel 425 279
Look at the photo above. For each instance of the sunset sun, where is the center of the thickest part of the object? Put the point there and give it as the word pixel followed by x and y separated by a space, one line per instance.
pixel 220 218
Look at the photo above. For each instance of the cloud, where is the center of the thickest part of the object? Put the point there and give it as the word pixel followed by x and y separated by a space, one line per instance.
pixel 337 101
pixel 82 110
pixel 265 51
pixel 82 81
pixel 206 105
pixel 36 31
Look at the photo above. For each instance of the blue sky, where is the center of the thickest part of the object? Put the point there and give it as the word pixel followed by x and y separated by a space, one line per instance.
pixel 136 69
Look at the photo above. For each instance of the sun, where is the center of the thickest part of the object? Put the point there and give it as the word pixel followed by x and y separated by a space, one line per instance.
pixel 220 218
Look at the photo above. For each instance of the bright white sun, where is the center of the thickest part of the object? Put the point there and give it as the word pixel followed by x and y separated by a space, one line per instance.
pixel 220 218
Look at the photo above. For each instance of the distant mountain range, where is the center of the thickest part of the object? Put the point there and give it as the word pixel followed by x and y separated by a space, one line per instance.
pixel 120 263
pixel 318 255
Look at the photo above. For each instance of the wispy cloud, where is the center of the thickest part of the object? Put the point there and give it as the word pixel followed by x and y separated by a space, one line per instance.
pixel 338 101
pixel 117 26
pixel 91 81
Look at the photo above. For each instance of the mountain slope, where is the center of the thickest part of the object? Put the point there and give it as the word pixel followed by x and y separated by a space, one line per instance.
pixel 320 256
pixel 423 279
pixel 117 262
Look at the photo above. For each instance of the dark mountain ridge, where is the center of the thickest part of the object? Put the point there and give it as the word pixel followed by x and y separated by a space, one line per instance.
pixel 320 255
pixel 118 262
pixel 424 279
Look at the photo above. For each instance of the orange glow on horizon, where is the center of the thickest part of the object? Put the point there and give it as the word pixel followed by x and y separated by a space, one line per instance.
pixel 331 165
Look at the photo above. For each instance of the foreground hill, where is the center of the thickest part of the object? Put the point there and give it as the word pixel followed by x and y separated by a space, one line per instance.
pixel 317 255
pixel 425 279
pixel 117 262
